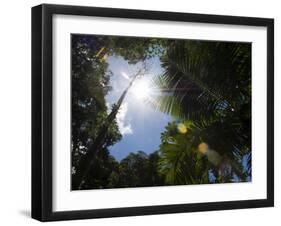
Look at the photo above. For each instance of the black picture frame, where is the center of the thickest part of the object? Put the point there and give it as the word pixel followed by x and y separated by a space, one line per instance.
pixel 42 111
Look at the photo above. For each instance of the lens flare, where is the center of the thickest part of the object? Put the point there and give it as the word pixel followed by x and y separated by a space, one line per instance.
pixel 182 128
pixel 203 148
pixel 141 89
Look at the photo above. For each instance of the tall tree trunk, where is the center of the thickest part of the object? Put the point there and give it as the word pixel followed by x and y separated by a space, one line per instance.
pixel 87 161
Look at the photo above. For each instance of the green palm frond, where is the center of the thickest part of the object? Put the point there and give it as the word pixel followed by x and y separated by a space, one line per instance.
pixel 211 74
pixel 179 160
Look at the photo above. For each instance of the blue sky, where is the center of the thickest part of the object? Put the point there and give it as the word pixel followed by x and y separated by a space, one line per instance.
pixel 139 123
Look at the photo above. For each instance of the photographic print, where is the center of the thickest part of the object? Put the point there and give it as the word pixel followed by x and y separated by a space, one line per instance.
pixel 156 112
pixel 130 106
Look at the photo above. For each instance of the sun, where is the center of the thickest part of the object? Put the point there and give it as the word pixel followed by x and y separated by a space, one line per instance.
pixel 141 89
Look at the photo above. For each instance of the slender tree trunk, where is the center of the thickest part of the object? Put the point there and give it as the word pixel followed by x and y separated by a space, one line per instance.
pixel 87 161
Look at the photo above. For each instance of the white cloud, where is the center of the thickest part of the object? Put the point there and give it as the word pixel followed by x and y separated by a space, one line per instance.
pixel 108 107
pixel 123 124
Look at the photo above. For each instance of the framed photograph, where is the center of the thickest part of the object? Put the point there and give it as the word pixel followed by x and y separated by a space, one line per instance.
pixel 147 112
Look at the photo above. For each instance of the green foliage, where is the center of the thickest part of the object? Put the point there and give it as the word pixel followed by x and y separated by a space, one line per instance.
pixel 180 162
pixel 92 127
pixel 139 170
pixel 205 78
pixel 90 79
pixel 135 170
pixel 136 49
pixel 208 83
pixel 101 171
pixel 206 87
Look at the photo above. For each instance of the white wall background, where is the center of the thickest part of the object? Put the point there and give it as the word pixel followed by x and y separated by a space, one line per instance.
pixel 15 113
